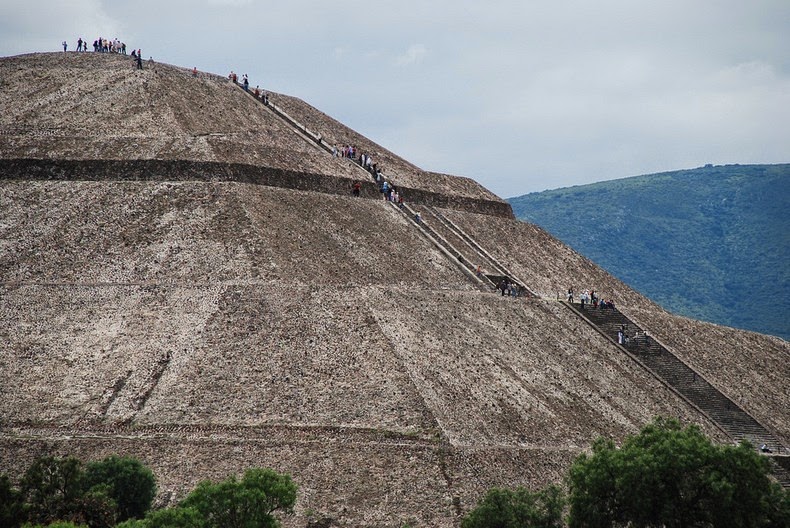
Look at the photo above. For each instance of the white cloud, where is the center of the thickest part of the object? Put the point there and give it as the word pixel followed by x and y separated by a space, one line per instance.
pixel 43 27
pixel 750 73
pixel 231 3
pixel 413 55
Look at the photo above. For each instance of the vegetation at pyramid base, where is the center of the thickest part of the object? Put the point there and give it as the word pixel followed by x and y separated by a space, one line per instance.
pixel 11 503
pixel 57 524
pixel 504 508
pixel 248 502
pixel 710 243
pixel 118 491
pixel 666 476
pixel 128 482
pixel 62 489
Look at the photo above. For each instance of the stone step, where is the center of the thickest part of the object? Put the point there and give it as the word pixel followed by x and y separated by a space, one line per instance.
pixel 500 270
pixel 680 377
pixel 463 243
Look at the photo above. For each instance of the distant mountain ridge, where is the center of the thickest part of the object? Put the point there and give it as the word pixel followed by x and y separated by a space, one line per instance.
pixel 711 243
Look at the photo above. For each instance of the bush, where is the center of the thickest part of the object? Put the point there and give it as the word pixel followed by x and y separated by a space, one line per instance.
pixel 59 490
pixel 175 518
pixel 57 524
pixel 250 502
pixel 673 477
pixel 11 503
pixel 127 481
pixel 52 489
pixel 519 508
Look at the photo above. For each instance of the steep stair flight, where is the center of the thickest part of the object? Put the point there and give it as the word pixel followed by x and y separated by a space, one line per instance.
pixel 684 380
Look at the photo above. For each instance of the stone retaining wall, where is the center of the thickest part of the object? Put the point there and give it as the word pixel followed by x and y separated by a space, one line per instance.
pixel 183 170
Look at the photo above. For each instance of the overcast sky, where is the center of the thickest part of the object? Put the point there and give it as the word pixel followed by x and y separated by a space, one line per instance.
pixel 521 95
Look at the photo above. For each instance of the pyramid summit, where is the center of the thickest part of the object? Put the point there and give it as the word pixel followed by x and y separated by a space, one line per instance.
pixel 188 279
pixel 96 107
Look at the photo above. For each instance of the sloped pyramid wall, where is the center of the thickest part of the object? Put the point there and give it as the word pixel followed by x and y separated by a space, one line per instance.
pixel 208 324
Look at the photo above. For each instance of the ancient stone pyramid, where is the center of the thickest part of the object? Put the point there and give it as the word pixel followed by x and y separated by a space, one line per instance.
pixel 186 278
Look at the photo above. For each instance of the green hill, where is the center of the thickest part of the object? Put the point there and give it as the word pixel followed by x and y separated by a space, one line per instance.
pixel 711 243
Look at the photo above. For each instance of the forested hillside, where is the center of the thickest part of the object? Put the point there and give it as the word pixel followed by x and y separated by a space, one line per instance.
pixel 711 243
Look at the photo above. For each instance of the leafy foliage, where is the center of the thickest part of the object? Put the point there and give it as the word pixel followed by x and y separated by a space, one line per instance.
pixel 57 524
pixel 674 477
pixel 53 489
pixel 133 523
pixel 128 482
pixel 711 243
pixel 246 503
pixel 59 490
pixel 174 518
pixel 11 503
pixel 95 508
pixel 519 508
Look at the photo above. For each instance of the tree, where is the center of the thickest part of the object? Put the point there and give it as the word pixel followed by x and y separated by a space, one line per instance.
pixel 52 488
pixel 128 482
pixel 671 476
pixel 95 508
pixel 778 506
pixel 133 523
pixel 11 503
pixel 57 524
pixel 250 502
pixel 179 517
pixel 58 490
pixel 519 508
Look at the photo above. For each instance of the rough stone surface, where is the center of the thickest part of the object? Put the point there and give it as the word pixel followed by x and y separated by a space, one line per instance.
pixel 207 322
pixel 752 369
pixel 92 106
pixel 398 170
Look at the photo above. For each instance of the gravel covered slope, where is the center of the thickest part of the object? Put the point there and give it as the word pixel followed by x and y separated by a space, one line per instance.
pixel 206 325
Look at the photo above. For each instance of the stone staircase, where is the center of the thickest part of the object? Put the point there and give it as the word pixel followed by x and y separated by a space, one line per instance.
pixel 455 245
pixel 310 136
pixel 445 246
pixel 462 248
pixel 496 269
pixel 449 238
pixel 684 380
pixel 780 467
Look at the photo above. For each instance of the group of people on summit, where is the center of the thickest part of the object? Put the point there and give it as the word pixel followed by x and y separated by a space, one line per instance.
pixel 103 45
pixel 100 45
